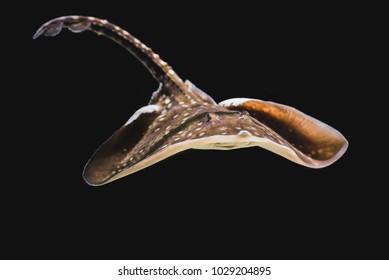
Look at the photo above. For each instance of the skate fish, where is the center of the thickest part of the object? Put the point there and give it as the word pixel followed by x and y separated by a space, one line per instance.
pixel 180 116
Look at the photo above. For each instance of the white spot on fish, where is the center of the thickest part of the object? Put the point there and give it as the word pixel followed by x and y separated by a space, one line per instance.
pixel 234 102
pixel 244 133
pixel 144 110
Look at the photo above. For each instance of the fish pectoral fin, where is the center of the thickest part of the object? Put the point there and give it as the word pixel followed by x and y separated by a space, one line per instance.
pixel 117 152
pixel 316 143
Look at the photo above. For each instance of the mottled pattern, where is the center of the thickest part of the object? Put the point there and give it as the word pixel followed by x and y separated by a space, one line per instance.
pixel 180 116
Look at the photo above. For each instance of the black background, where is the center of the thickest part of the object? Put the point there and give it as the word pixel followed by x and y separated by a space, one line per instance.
pixel 71 92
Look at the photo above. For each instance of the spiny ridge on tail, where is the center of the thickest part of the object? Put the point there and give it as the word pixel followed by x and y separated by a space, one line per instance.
pixel 161 71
